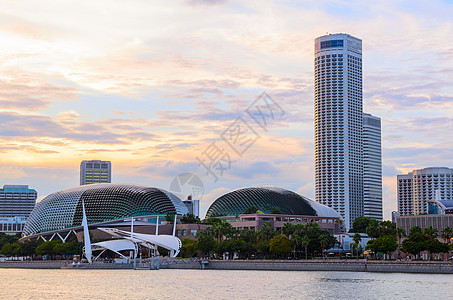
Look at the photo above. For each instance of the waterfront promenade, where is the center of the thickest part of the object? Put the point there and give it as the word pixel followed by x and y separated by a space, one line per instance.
pixel 431 267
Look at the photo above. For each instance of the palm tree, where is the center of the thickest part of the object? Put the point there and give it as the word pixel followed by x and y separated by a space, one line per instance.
pixel 400 232
pixel 357 238
pixel 296 240
pixel 304 242
pixel 447 233
pixel 387 228
pixel 267 231
pixel 288 229
pixel 415 229
pixel 324 241
pixel 222 229
pixel 430 231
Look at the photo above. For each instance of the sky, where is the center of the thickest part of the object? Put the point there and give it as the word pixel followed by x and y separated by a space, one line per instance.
pixel 160 87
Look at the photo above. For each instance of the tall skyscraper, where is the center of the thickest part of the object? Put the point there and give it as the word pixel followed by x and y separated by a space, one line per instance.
pixel 420 186
pixel 372 167
pixel 16 203
pixel 95 171
pixel 339 124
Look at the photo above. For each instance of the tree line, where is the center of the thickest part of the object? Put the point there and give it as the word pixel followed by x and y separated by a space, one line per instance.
pixel 295 241
pixel 34 248
pixel 388 238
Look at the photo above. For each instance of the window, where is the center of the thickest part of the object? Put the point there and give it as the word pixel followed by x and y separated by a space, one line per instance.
pixel 331 44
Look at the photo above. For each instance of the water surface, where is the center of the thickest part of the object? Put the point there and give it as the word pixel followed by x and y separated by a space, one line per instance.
pixel 214 284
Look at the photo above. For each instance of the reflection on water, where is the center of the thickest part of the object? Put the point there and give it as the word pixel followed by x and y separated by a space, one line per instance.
pixel 211 284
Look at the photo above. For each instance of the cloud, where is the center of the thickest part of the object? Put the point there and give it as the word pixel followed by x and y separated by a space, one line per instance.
pixel 174 79
pixel 206 2
pixel 254 170
pixel 24 91
pixel 11 173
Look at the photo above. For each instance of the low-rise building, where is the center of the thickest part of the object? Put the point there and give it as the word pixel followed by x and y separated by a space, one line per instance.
pixel 255 221
pixel 438 222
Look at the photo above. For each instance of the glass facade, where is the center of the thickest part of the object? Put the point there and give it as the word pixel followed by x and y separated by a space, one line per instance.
pixel 331 44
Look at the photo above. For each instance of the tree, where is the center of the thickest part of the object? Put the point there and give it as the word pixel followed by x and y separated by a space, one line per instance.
pixel 400 233
pixel 387 228
pixel 361 223
pixel 222 229
pixel 373 230
pixel 430 232
pixel 415 229
pixel 232 245
pixel 189 247
pixel 447 233
pixel 280 244
pixel 190 219
pixel 251 210
pixel 357 238
pixel 47 248
pixel 170 218
pixel 434 246
pixel 212 221
pixel 8 239
pixel 276 211
pixel 266 232
pixel 206 244
pixel 324 241
pixel 263 247
pixel 304 242
pixel 385 244
pixel 288 229
pixel 7 249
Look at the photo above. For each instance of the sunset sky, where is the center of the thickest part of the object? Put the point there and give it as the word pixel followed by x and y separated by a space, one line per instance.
pixel 150 85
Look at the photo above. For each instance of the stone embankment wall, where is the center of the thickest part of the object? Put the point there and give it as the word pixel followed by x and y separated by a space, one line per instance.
pixel 61 264
pixel 36 264
pixel 269 265
pixel 352 266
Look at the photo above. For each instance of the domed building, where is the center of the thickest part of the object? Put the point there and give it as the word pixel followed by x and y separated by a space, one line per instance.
pixel 265 199
pixel 291 208
pixel 104 203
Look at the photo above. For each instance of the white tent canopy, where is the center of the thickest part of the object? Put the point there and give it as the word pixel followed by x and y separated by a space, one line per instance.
pixel 168 242
pixel 115 246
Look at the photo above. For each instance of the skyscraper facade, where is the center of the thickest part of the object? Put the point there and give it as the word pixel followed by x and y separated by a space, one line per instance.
pixel 339 124
pixel 418 187
pixel 16 203
pixel 372 167
pixel 95 171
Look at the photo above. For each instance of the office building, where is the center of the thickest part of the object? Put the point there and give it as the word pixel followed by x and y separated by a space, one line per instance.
pixel 95 171
pixel 418 187
pixel 193 206
pixel 339 125
pixel 16 203
pixel 394 215
pixel 372 167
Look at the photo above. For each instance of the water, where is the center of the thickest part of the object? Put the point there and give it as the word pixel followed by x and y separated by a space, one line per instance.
pixel 213 284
